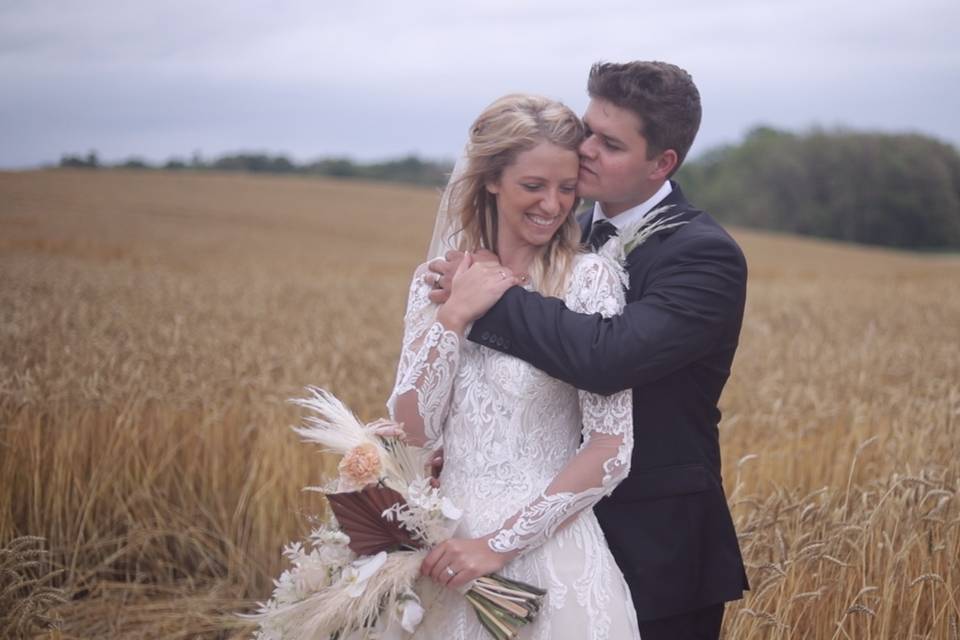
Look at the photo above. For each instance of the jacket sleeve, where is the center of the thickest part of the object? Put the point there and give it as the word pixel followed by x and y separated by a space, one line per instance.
pixel 428 364
pixel 693 300
pixel 603 459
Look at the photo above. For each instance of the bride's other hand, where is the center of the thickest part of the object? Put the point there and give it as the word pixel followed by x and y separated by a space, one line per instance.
pixel 440 272
pixel 476 286
pixel 440 275
pixel 466 558
pixel 435 467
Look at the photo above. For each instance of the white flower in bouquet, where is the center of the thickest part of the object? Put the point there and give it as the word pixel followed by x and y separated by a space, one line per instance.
pixel 310 571
pixel 450 510
pixel 332 547
pixel 430 516
pixel 285 589
pixel 410 612
pixel 360 571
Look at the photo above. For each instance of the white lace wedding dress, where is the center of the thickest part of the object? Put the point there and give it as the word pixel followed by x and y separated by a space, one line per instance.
pixel 518 462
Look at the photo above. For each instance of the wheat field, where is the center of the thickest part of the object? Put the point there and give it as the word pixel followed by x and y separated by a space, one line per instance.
pixel 153 325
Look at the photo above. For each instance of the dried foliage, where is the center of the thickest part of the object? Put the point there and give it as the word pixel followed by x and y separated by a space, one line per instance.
pixel 28 602
pixel 153 325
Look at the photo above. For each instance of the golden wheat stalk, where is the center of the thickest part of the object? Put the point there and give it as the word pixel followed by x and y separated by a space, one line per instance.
pixel 28 599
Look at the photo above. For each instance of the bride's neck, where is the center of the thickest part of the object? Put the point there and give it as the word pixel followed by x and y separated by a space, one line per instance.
pixel 519 257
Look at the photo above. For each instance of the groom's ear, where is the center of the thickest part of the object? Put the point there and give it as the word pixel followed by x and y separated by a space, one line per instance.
pixel 666 163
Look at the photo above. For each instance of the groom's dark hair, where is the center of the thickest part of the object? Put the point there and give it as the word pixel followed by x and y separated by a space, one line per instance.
pixel 662 95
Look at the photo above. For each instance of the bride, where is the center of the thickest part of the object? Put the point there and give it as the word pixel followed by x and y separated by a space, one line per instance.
pixel 526 456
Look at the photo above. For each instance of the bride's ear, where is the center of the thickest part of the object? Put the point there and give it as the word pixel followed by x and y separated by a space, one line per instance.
pixel 493 188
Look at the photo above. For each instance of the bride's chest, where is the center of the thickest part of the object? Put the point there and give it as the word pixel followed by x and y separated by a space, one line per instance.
pixel 502 388
pixel 508 375
pixel 509 419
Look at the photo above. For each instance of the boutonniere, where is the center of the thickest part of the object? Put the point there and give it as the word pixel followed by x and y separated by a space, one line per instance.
pixel 619 246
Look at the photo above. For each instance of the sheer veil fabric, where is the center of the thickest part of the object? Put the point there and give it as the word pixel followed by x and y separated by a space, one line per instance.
pixel 446 227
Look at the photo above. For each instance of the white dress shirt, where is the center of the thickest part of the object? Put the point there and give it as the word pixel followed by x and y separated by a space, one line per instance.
pixel 621 220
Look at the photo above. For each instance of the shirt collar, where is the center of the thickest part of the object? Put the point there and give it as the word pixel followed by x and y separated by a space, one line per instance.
pixel 633 214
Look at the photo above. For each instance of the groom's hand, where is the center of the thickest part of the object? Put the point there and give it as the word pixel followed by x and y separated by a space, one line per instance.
pixel 476 286
pixel 441 270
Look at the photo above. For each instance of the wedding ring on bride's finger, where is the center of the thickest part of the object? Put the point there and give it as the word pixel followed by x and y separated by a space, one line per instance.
pixel 503 274
pixel 450 572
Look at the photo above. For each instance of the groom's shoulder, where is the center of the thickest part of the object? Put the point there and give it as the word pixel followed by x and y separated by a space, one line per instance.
pixel 704 224
pixel 701 223
pixel 704 240
pixel 700 234
pixel 704 228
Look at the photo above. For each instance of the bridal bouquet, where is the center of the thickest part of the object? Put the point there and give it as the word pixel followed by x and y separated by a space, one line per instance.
pixel 354 578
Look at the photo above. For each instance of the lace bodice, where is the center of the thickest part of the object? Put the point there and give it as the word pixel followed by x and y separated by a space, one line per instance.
pixel 525 451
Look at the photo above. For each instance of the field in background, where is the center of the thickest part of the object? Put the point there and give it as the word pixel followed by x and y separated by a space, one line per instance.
pixel 152 326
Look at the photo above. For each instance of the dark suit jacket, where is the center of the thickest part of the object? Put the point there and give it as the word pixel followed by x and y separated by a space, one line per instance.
pixel 667 523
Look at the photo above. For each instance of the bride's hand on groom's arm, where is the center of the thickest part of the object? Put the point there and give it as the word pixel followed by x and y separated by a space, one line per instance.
pixel 440 275
pixel 467 559
pixel 475 287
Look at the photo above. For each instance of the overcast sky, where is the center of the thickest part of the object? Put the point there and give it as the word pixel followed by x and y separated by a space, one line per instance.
pixel 377 79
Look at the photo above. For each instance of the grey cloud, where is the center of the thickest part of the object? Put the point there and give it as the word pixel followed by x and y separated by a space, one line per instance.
pixel 374 79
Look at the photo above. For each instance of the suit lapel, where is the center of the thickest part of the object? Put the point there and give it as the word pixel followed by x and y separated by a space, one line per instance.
pixel 678 206
pixel 679 210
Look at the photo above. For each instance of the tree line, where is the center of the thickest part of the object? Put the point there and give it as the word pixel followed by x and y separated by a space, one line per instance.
pixel 409 169
pixel 897 190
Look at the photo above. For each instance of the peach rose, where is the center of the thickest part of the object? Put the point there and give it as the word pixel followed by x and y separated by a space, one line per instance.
pixel 361 465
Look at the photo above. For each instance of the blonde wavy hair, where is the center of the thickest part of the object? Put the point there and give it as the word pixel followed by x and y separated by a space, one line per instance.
pixel 511 125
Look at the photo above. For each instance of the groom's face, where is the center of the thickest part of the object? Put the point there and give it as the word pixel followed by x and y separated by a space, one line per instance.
pixel 614 167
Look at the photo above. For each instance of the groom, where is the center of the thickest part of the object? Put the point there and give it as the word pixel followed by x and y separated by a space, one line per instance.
pixel 667 524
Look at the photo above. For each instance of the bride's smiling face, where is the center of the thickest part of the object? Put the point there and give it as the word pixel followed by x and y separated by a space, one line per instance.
pixel 535 195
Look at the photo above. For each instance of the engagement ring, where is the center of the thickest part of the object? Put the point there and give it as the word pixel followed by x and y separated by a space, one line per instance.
pixel 451 572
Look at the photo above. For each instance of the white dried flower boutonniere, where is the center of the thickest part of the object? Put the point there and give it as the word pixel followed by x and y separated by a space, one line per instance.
pixel 619 246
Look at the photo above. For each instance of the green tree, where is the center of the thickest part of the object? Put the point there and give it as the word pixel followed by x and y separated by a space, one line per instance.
pixel 894 190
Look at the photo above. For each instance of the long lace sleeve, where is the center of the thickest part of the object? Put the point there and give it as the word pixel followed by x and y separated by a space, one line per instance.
pixel 428 364
pixel 603 460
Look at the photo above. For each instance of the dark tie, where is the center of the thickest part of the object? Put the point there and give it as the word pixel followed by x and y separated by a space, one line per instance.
pixel 600 232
